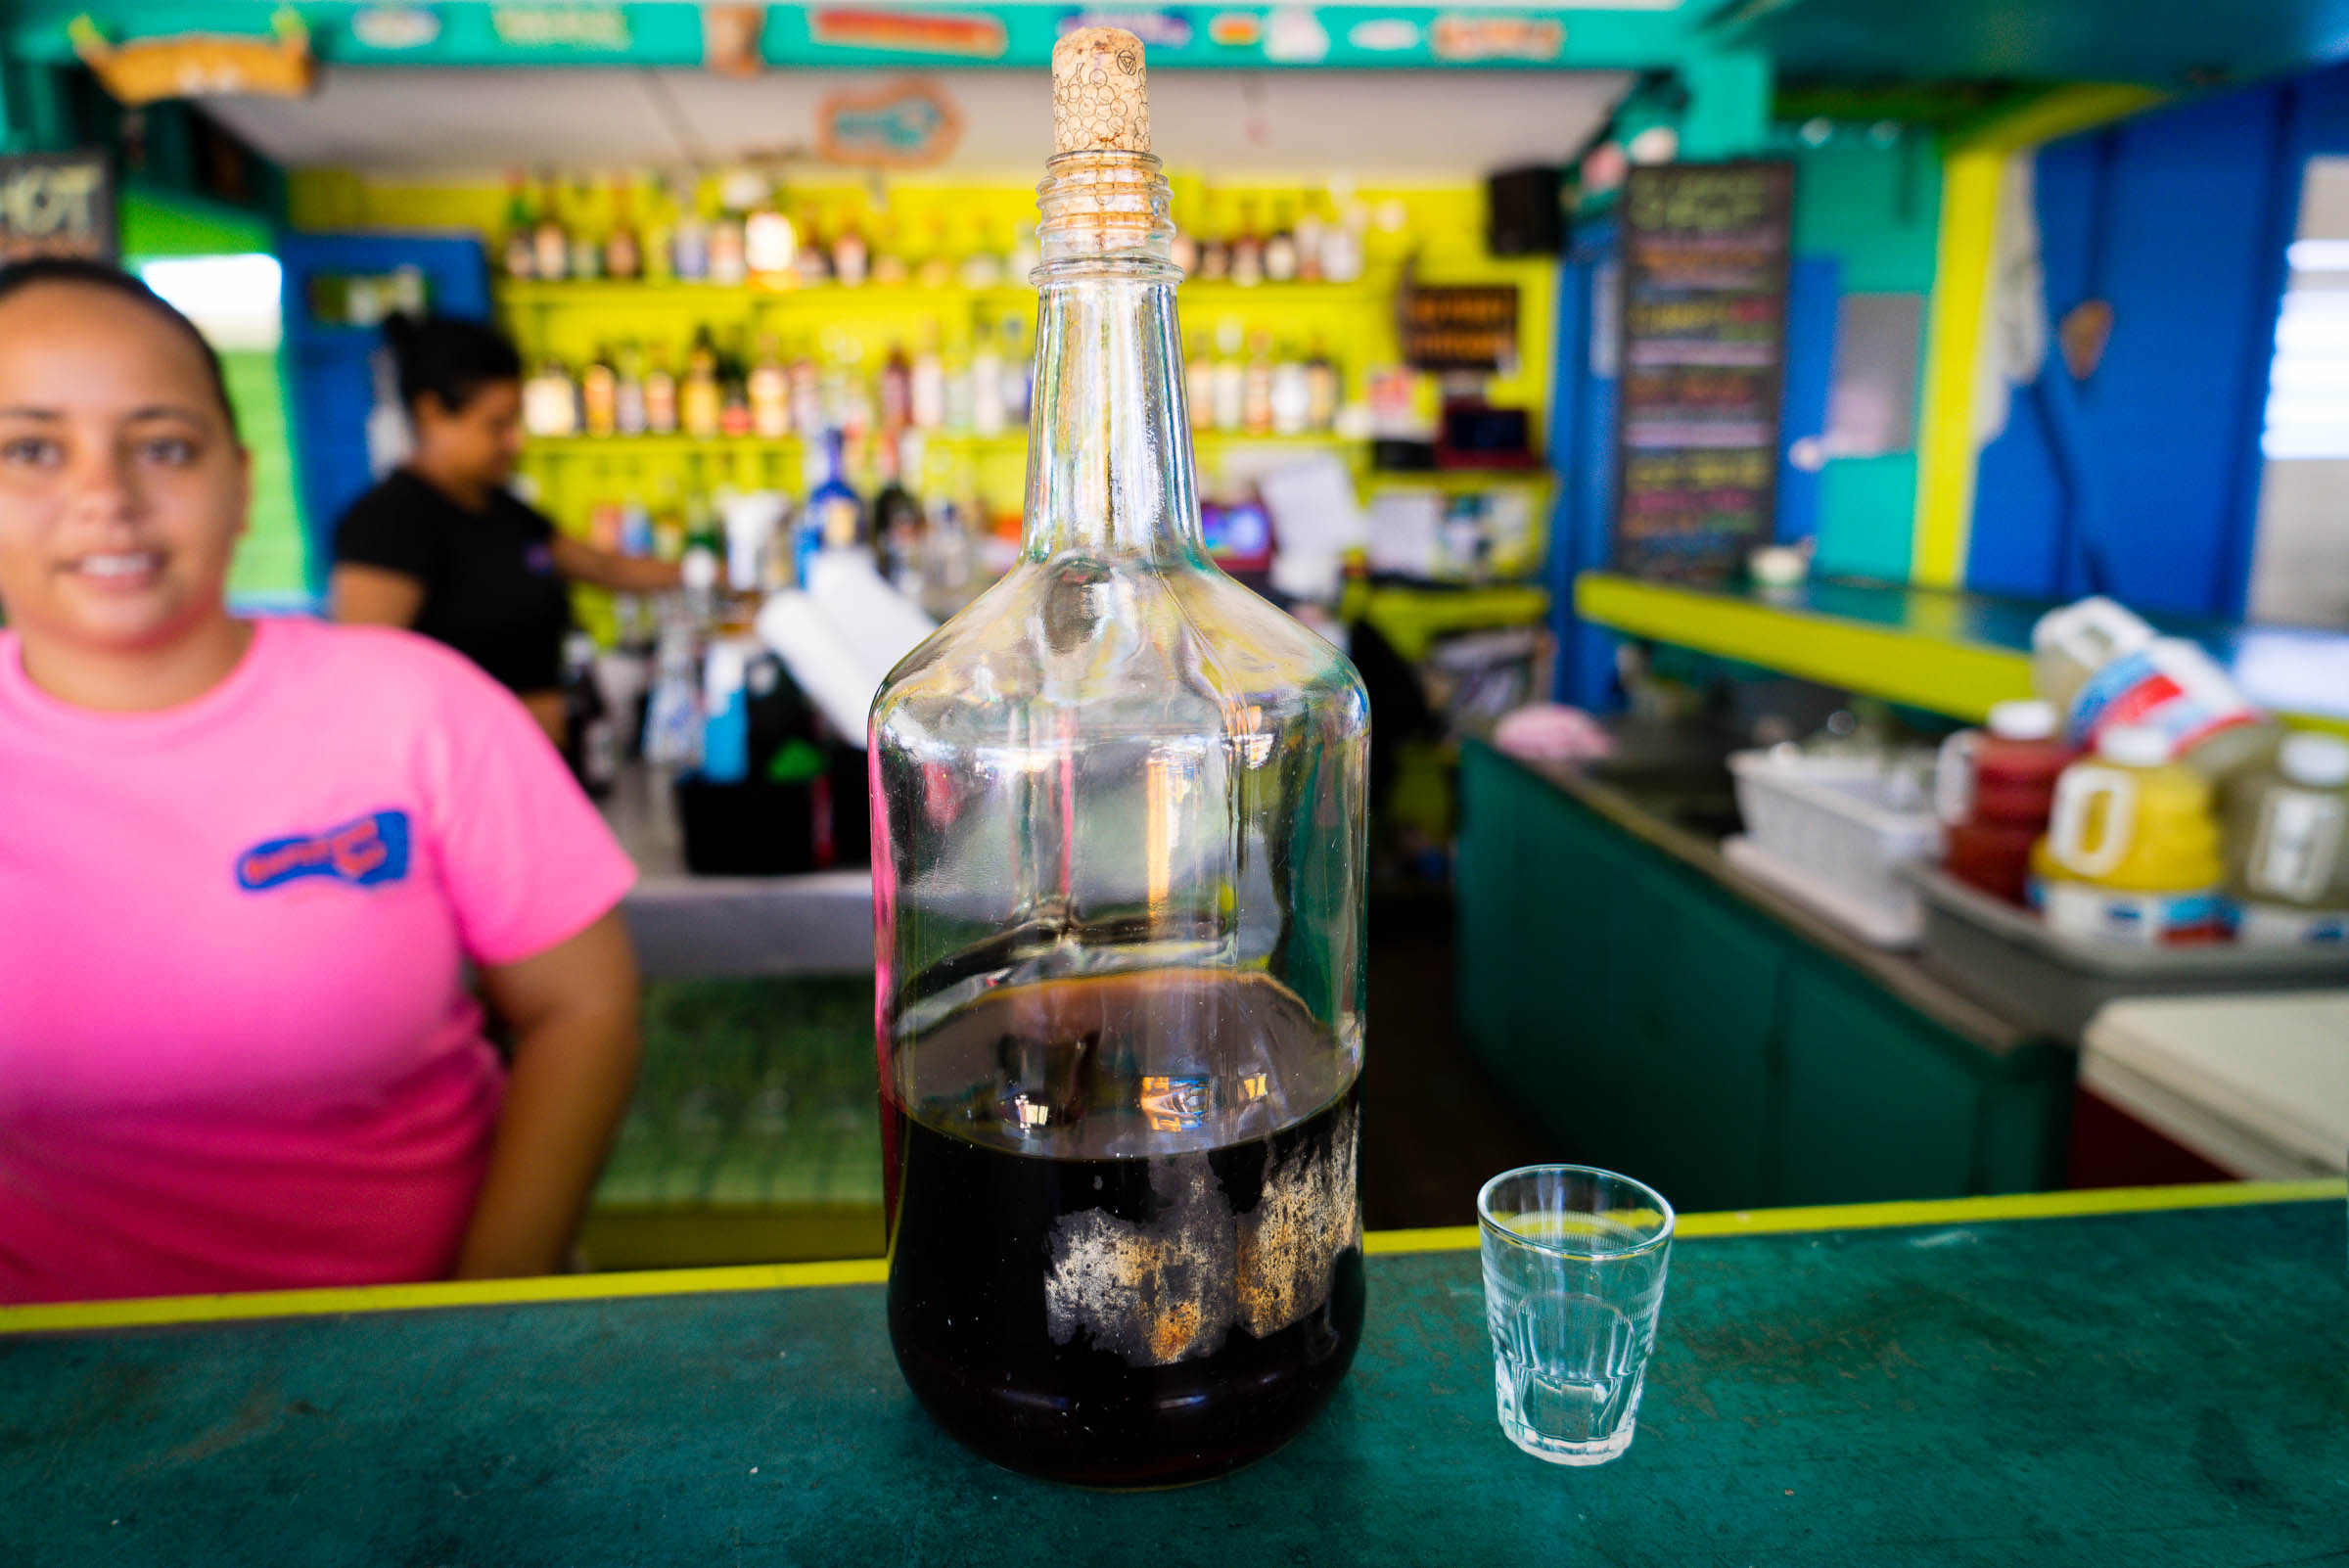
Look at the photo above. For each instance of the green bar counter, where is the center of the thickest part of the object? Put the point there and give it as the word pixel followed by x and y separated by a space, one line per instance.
pixel 2129 1378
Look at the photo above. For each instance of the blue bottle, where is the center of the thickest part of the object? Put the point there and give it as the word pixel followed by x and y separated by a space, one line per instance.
pixel 834 517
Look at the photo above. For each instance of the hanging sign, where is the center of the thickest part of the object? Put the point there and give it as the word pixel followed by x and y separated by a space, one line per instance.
pixel 595 28
pixel 971 34
pixel 57 203
pixel 908 125
pixel 198 65
pixel 730 35
pixel 1471 328
pixel 1703 332
pixel 1465 40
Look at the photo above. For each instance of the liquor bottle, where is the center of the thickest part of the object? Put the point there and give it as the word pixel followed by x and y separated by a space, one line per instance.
pixel 889 268
pixel 623 249
pixel 1019 373
pixel 627 393
pixel 807 396
pixel 926 390
pixel 770 393
pixel 689 239
pixel 1229 402
pixel 1247 249
pixel 587 253
pixel 983 264
pixel 733 394
pixel 770 245
pixel 699 399
pixel 1184 253
pixel 1280 249
pixel 814 263
pixel 1291 397
pixel 657 236
pixel 937 268
pixel 1256 387
pixel 1119 1059
pixel 599 395
pixel 897 391
pixel 1343 249
pixel 850 256
pixel 896 516
pixel 986 385
pixel 551 246
pixel 1322 390
pixel 1309 234
pixel 1214 259
pixel 550 402
pixel 834 518
pixel 516 256
pixel 960 408
pixel 729 265
pixel 660 396
pixel 1199 384
pixel 1023 258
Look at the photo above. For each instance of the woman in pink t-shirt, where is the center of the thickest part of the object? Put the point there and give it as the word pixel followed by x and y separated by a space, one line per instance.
pixel 244 867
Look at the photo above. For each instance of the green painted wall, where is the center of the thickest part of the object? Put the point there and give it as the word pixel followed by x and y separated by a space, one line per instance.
pixel 1875 207
pixel 268 569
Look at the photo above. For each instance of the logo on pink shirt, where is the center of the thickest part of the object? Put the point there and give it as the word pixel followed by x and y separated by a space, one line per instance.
pixel 366 854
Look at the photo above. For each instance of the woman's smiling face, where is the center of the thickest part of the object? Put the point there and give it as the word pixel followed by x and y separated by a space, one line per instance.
pixel 122 486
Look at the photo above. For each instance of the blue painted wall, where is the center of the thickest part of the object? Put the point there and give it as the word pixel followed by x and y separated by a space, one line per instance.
pixel 2142 481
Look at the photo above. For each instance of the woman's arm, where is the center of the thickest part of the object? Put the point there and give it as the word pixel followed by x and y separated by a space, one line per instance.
pixel 572 1010
pixel 581 562
pixel 366 595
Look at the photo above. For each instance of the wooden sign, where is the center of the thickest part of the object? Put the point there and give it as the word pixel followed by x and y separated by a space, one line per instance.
pixel 1459 328
pixel 57 203
pixel 1703 340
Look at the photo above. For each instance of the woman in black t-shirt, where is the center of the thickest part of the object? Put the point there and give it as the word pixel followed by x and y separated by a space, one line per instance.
pixel 442 547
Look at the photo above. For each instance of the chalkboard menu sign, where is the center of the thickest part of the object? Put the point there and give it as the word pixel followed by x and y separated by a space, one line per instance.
pixel 1703 345
pixel 1460 328
pixel 56 204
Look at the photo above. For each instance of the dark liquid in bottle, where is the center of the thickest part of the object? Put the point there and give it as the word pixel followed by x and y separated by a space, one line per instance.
pixel 1126 1249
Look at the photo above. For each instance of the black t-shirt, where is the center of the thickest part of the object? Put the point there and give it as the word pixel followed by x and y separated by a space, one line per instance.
pixel 490 588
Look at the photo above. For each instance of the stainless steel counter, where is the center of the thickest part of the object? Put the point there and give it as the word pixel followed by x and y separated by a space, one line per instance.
pixel 820 923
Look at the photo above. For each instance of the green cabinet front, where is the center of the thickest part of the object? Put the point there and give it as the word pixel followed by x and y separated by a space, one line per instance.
pixel 1648 1019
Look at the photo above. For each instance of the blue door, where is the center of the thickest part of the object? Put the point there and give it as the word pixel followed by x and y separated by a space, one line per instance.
pixel 327 381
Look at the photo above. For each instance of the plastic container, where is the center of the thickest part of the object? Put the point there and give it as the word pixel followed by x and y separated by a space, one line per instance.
pixel 2288 844
pixel 2132 851
pixel 1994 791
pixel 2052 982
pixel 2103 667
pixel 1834 833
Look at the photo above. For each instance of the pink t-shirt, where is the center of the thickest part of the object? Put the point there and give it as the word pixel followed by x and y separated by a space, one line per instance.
pixel 237 1048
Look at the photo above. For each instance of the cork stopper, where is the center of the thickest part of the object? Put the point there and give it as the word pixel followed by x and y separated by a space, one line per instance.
pixel 1101 93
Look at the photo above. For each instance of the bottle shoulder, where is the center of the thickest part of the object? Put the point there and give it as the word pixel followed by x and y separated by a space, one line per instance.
pixel 1122 646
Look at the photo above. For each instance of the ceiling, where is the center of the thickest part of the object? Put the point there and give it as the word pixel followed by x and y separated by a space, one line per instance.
pixel 416 122
pixel 2165 43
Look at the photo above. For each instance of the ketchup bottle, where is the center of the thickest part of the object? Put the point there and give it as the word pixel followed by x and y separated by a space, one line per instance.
pixel 1994 791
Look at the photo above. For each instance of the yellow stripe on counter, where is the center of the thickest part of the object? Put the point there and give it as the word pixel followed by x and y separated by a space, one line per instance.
pixel 159 1310
pixel 1930 1212
pixel 178 1310
pixel 1941 675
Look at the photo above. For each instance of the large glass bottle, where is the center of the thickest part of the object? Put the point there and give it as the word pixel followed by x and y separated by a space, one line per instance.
pixel 1119 890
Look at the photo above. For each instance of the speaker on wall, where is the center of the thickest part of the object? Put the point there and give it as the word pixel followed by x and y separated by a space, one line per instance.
pixel 1522 214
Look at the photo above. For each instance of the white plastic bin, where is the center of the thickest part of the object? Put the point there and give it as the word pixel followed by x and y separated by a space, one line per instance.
pixel 1827 831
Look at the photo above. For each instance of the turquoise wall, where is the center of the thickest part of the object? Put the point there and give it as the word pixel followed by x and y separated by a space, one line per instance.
pixel 1873 207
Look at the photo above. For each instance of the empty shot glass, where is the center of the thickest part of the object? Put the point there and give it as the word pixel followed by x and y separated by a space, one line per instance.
pixel 1573 1280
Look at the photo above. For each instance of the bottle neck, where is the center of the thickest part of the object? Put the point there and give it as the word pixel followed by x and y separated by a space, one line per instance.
pixel 1109 447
